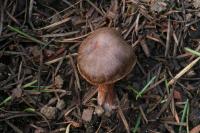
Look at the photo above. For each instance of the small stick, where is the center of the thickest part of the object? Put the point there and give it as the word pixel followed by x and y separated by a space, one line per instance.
pixel 183 71
pixel 55 24
pixel 168 38
pixel 60 58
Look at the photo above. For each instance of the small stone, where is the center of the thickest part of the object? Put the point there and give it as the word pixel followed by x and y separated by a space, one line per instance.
pixel 60 104
pixel 49 112
pixel 87 114
pixel 99 110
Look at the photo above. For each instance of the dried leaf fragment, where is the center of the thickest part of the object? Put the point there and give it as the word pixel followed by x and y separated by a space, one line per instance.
pixel 17 92
pixel 49 112
pixel 196 3
pixel 99 110
pixel 60 104
pixel 158 6
pixel 58 82
pixel 87 114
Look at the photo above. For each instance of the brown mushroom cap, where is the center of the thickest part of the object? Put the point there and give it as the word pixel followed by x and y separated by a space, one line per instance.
pixel 104 57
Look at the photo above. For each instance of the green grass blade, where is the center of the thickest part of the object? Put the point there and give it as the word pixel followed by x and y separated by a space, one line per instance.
pixel 26 35
pixel 29 110
pixel 146 86
pixel 6 100
pixel 29 84
pixel 134 130
pixel 167 86
pixel 41 87
pixel 183 118
pixel 132 89
pixel 42 90
pixel 192 51
pixel 187 118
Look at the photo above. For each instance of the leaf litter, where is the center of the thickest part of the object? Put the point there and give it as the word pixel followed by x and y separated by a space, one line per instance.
pixel 42 91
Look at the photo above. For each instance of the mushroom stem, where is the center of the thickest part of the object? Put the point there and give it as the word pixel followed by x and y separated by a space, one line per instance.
pixel 106 96
pixel 102 92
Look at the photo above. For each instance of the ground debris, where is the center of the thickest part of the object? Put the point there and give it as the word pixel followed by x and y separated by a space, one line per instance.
pixel 41 89
pixel 196 3
pixel 58 82
pixel 17 92
pixel 60 104
pixel 87 114
pixel 49 112
pixel 158 5
pixel 99 110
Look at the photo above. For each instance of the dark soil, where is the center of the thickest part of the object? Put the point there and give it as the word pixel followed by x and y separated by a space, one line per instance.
pixel 41 90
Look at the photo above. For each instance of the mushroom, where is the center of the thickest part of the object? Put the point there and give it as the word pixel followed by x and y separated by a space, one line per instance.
pixel 103 59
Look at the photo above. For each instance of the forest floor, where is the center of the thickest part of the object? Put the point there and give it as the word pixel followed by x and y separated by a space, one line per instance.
pixel 41 90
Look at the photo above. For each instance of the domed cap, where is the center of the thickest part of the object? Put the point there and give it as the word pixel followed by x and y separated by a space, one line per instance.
pixel 104 57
